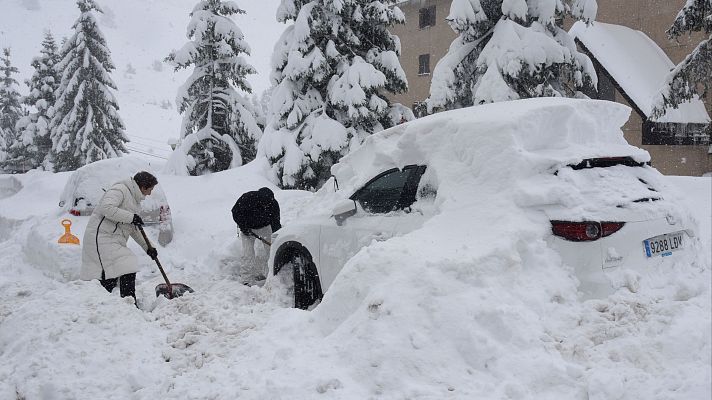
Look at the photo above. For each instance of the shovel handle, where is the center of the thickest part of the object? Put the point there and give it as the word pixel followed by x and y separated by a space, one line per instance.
pixel 261 239
pixel 160 268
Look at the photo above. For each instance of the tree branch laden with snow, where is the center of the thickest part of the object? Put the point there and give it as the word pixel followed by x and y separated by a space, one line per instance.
pixel 32 149
pixel 209 99
pixel 331 70
pixel 691 78
pixel 11 112
pixel 511 49
pixel 85 125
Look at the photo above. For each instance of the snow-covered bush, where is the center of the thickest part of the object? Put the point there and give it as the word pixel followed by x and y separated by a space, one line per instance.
pixel 331 70
pixel 692 77
pixel 85 125
pixel 511 49
pixel 219 128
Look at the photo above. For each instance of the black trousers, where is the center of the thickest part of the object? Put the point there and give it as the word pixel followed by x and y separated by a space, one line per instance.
pixel 127 285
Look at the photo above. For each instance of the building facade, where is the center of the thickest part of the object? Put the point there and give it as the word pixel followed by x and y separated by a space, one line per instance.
pixel 426 37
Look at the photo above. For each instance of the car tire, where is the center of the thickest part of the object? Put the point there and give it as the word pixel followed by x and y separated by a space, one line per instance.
pixel 307 288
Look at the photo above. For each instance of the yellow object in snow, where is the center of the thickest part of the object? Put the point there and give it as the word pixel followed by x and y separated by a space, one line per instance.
pixel 68 238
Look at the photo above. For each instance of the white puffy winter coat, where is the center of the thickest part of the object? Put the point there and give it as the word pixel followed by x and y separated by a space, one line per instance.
pixel 108 231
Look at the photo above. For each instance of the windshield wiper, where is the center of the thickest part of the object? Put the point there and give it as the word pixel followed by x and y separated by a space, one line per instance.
pixel 646 199
pixel 605 162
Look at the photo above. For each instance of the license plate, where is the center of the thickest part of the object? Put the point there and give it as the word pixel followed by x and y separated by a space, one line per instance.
pixel 664 245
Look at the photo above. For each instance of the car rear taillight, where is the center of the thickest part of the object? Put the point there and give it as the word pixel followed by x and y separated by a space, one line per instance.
pixel 576 231
pixel 609 228
pixel 585 231
pixel 75 212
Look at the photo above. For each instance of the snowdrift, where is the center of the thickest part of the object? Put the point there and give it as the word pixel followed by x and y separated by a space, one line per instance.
pixel 475 304
pixel 472 305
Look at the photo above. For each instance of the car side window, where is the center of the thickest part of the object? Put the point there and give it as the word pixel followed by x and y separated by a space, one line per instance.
pixel 383 193
pixel 391 190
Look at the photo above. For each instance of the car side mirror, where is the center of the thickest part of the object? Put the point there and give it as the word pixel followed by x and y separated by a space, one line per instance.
pixel 343 210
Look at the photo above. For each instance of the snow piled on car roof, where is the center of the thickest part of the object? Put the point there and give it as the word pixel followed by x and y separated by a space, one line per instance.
pixel 476 295
pixel 522 137
pixel 92 180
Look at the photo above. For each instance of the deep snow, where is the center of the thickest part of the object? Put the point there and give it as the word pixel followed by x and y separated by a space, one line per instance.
pixel 452 334
pixel 449 325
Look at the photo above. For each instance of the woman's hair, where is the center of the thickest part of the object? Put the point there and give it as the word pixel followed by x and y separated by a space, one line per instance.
pixel 145 180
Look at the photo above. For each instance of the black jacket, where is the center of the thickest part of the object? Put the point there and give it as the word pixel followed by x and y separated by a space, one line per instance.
pixel 256 209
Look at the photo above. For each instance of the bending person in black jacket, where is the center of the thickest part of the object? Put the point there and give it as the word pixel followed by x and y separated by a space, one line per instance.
pixel 256 213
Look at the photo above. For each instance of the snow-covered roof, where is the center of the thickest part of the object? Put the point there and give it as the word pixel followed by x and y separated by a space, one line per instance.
pixel 638 65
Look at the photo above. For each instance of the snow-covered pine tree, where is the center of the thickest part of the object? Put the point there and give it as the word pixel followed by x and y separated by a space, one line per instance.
pixel 3 147
pixel 693 75
pixel 511 49
pixel 10 107
pixel 219 127
pixel 33 142
pixel 85 124
pixel 331 71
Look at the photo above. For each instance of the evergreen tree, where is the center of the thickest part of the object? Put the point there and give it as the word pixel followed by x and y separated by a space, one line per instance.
pixel 85 125
pixel 10 108
pixel 331 71
pixel 3 148
pixel 511 49
pixel 33 144
pixel 219 127
pixel 693 75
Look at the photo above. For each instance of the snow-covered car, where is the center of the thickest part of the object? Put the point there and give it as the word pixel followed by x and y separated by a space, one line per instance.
pixel 87 185
pixel 558 168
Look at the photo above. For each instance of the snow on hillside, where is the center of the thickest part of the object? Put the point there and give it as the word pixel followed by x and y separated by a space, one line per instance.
pixel 140 34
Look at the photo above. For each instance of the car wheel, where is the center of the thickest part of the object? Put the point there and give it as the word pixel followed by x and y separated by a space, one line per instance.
pixel 307 288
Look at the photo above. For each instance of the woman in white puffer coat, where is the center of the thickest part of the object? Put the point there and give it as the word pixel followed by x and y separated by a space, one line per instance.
pixel 105 255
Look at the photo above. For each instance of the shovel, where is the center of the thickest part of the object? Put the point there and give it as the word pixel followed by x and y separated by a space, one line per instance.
pixel 168 289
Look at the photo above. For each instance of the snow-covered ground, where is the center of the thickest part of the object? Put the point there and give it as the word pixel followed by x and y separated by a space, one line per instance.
pixel 466 329
pixel 61 338
pixel 140 34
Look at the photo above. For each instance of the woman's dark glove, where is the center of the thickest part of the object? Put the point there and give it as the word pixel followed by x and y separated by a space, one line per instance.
pixel 152 252
pixel 137 220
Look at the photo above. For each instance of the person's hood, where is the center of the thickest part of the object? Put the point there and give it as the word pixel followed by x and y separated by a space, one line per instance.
pixel 133 189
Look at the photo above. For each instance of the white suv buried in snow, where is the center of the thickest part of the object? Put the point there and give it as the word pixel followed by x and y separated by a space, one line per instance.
pixel 87 185
pixel 558 168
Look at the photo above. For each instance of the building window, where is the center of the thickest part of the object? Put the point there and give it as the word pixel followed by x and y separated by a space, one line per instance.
pixel 424 64
pixel 427 17
pixel 668 133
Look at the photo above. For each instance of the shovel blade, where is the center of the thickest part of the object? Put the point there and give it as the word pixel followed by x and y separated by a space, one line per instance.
pixel 175 290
